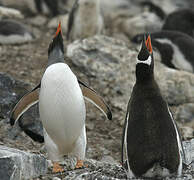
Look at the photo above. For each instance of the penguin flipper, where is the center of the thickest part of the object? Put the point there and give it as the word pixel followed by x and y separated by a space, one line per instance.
pixel 182 149
pixel 71 18
pixel 123 142
pixel 91 95
pixel 27 101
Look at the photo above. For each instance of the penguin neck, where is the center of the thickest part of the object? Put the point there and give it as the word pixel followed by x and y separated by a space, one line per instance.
pixel 144 73
pixel 56 56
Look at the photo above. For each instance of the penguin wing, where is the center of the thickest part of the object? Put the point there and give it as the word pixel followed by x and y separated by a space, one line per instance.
pixel 182 149
pixel 71 18
pixel 27 101
pixel 124 137
pixel 91 95
pixel 179 136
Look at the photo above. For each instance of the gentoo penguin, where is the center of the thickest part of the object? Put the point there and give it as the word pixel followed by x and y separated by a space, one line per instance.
pixel 13 32
pixel 181 20
pixel 85 19
pixel 61 106
pixel 175 49
pixel 151 141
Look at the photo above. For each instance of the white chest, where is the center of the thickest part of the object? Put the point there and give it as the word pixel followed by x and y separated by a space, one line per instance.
pixel 61 104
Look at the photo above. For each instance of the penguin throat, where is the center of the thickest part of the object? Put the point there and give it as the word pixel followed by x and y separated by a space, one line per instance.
pixel 148 61
pixel 55 56
pixel 144 72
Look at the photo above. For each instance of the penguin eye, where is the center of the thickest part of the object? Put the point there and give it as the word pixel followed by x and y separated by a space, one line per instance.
pixel 149 44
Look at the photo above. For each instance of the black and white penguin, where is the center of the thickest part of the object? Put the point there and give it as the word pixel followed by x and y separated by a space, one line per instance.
pixel 61 107
pixel 13 32
pixel 175 49
pixel 85 20
pixel 181 20
pixel 151 141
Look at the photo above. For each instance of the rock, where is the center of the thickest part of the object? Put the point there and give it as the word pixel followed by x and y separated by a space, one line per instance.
pixel 176 86
pixel 16 164
pixel 112 170
pixel 186 132
pixel 56 178
pixel 185 113
pixel 109 62
pixel 10 13
pixel 39 20
pixel 11 91
pixel 108 159
pixel 140 23
pixel 189 152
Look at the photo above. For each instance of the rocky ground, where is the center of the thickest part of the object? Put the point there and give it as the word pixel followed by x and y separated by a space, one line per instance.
pixel 105 64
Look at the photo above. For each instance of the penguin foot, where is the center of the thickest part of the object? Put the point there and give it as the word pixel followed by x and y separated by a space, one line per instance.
pixel 57 168
pixel 80 164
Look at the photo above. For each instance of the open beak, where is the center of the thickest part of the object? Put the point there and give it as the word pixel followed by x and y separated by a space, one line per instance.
pixel 58 29
pixel 149 44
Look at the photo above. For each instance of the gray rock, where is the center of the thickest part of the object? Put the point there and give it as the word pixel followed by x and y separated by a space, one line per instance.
pixel 189 152
pixel 38 20
pixel 186 132
pixel 185 113
pixel 111 170
pixel 109 62
pixel 11 91
pixel 16 164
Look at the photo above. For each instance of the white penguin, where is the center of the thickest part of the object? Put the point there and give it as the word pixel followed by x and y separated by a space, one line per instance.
pixel 61 107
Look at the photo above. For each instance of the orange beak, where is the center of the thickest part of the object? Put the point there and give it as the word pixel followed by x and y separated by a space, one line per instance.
pixel 148 44
pixel 58 29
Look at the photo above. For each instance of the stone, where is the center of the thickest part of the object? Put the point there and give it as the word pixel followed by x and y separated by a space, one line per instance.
pixel 140 23
pixel 10 13
pixel 110 63
pixel 186 132
pixel 112 170
pixel 177 86
pixel 38 20
pixel 185 113
pixel 16 164
pixel 11 91
pixel 189 151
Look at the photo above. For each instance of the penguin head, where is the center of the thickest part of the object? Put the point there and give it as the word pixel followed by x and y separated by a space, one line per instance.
pixel 145 61
pixel 56 48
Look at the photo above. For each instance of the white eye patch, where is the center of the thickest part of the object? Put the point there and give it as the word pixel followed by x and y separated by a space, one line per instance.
pixel 148 61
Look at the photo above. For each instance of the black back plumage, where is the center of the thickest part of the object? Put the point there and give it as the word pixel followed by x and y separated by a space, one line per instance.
pixel 151 135
pixel 181 20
